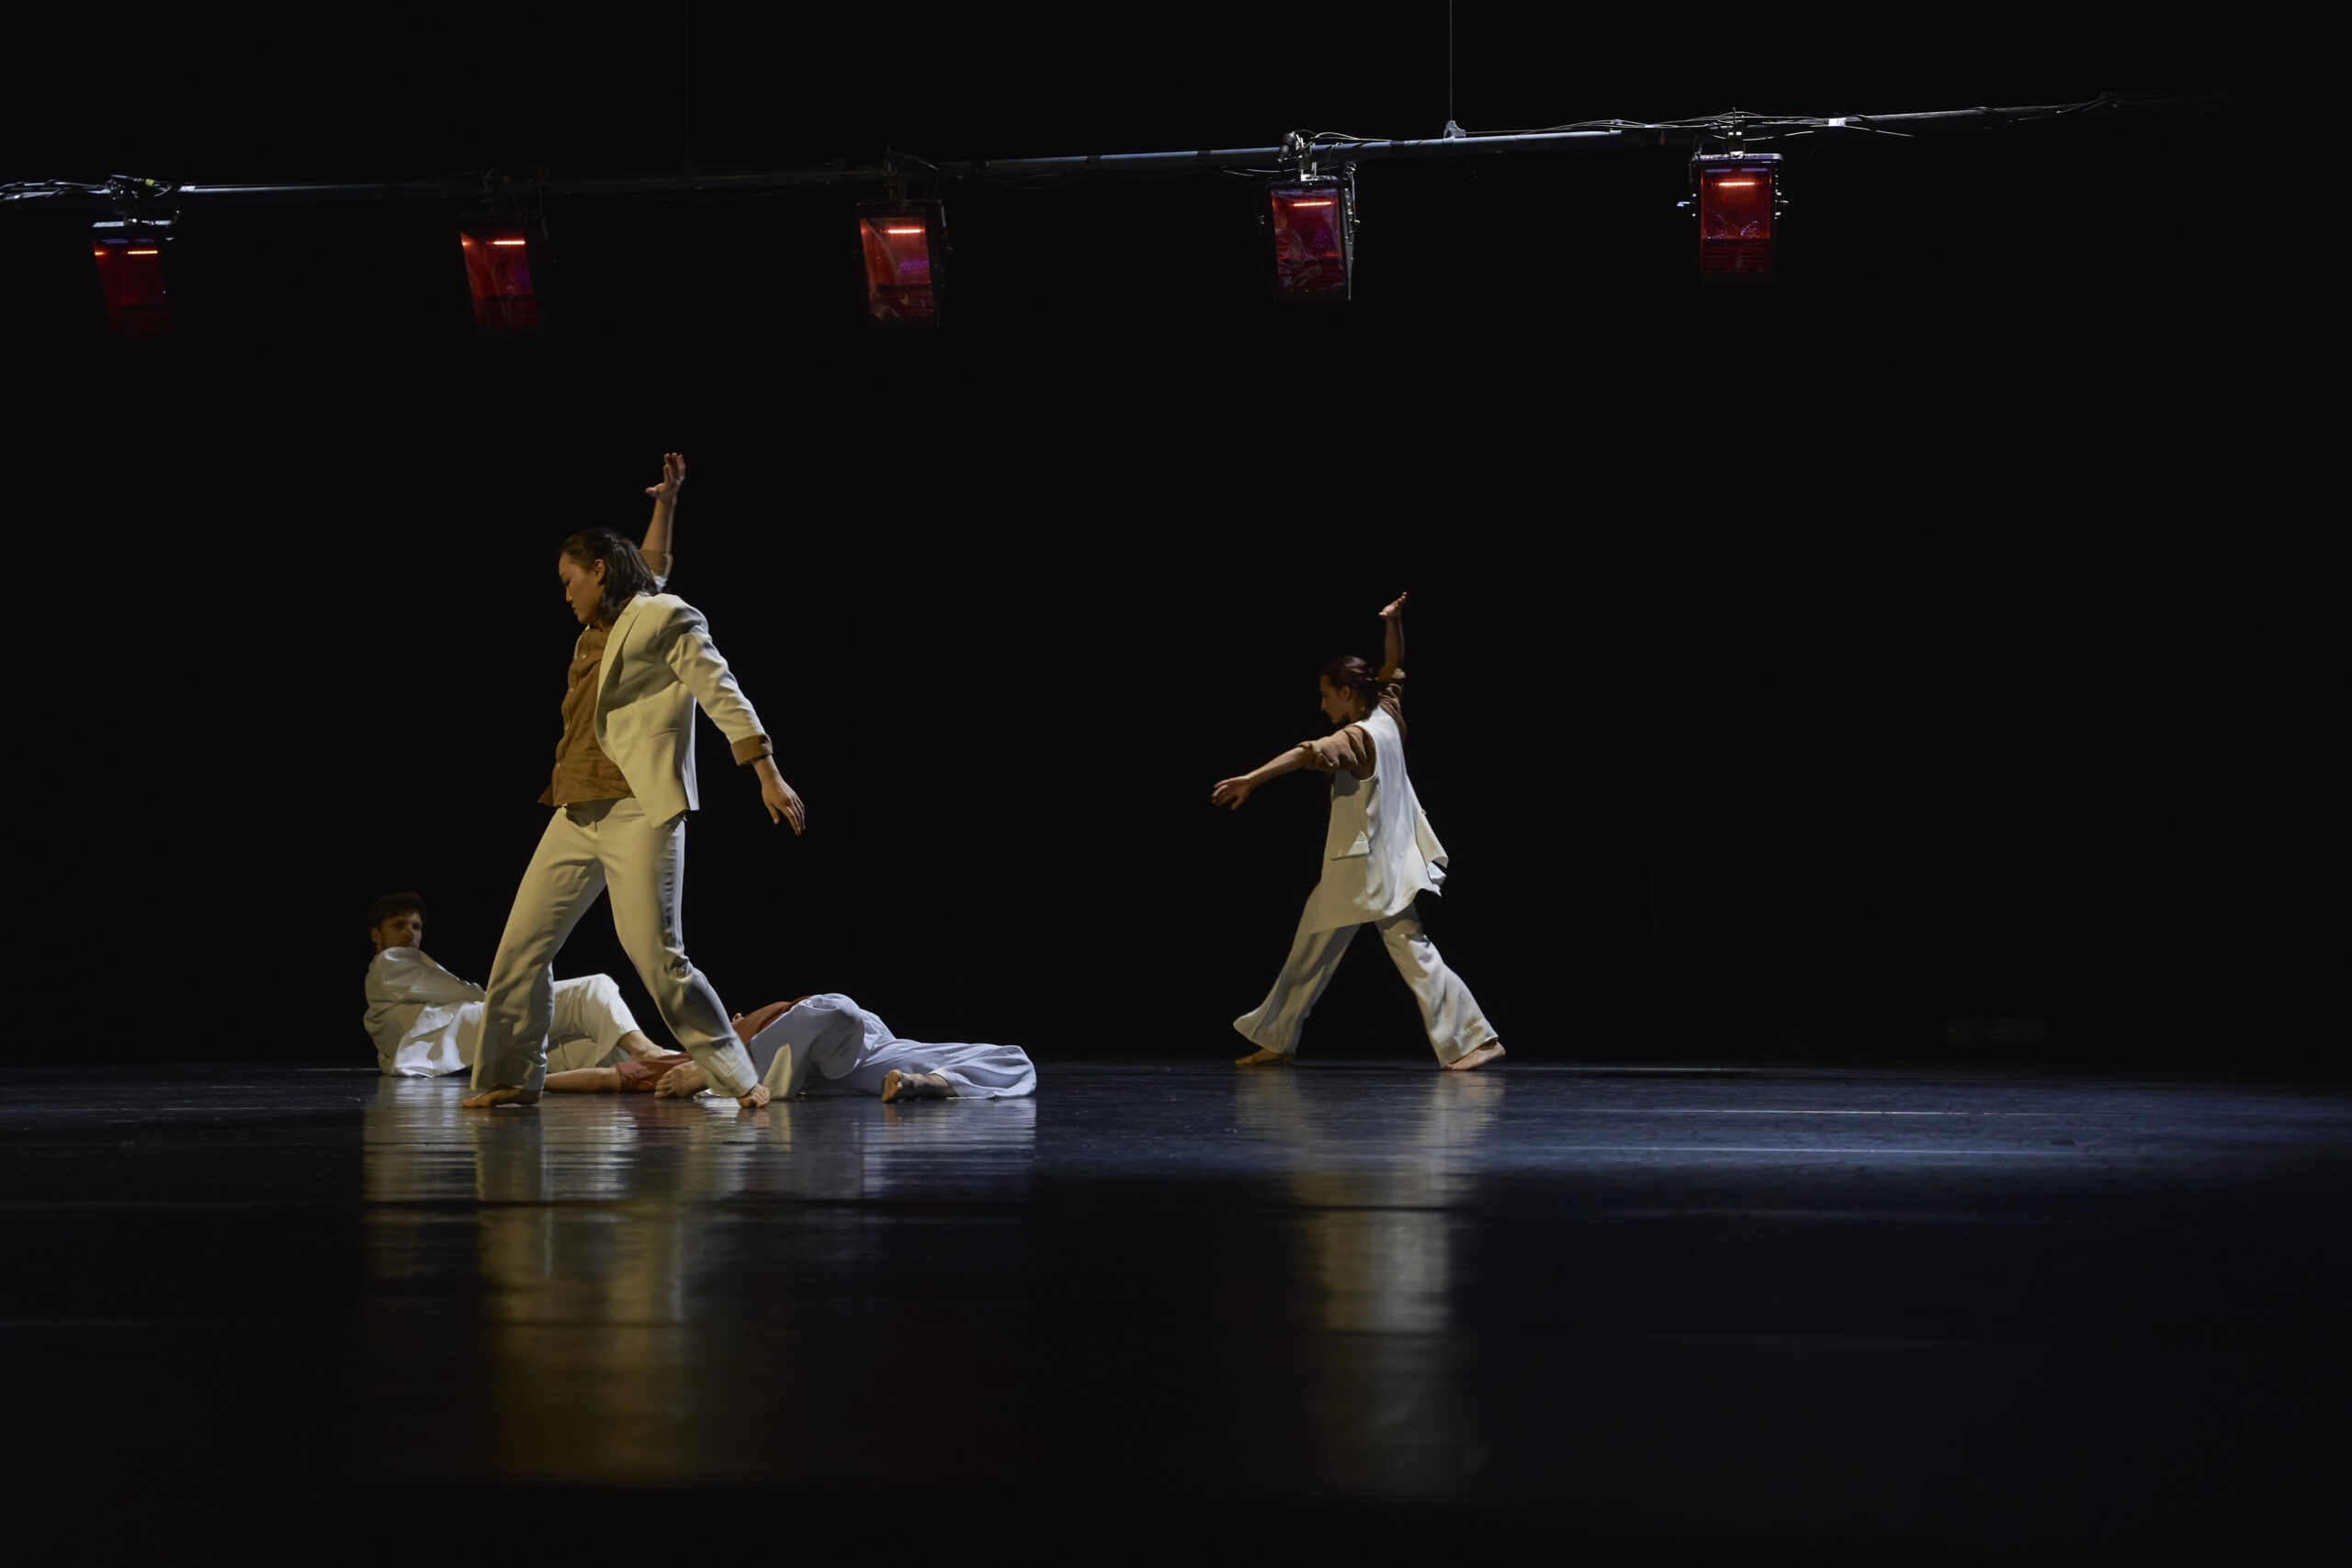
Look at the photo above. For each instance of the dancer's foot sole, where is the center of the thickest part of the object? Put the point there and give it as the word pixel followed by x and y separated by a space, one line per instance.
pixel 898 1085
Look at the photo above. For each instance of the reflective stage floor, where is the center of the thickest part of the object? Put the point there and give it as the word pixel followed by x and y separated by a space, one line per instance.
pixel 1666 1315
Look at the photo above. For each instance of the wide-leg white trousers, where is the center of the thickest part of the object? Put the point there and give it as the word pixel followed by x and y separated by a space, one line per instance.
pixel 1449 1012
pixel 591 847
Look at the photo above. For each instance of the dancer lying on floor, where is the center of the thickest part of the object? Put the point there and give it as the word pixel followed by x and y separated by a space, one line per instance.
pixel 427 1023
pixel 827 1045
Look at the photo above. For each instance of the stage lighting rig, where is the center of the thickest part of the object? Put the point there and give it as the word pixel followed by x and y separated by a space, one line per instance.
pixel 499 248
pixel 132 256
pixel 1735 196
pixel 904 248
pixel 1314 224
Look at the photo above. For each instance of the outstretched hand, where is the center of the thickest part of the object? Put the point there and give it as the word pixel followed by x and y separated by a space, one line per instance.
pixel 783 802
pixel 674 474
pixel 1394 607
pixel 1231 792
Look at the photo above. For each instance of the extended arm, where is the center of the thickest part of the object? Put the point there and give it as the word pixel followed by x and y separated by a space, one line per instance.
pixel 661 533
pixel 1234 791
pixel 1392 651
pixel 406 975
pixel 702 671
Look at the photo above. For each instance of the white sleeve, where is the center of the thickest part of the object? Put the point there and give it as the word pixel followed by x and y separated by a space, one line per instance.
pixel 699 667
pixel 406 975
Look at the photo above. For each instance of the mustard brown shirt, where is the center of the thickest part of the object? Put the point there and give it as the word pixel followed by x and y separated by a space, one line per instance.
pixel 582 772
pixel 1349 747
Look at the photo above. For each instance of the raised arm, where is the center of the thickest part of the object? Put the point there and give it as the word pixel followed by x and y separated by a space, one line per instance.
pixel 661 532
pixel 1234 791
pixel 1393 617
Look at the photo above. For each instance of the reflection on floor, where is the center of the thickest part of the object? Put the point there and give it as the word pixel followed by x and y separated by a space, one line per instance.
pixel 1688 1312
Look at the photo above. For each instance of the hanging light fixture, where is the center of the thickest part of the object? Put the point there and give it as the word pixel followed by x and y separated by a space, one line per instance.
pixel 904 248
pixel 1314 225
pixel 499 252
pixel 1737 196
pixel 130 255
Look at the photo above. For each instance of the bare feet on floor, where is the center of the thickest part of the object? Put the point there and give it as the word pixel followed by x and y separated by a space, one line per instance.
pixel 1262 1058
pixel 897 1086
pixel 1469 1060
pixel 495 1095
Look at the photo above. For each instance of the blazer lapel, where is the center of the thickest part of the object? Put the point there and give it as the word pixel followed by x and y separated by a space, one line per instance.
pixel 618 635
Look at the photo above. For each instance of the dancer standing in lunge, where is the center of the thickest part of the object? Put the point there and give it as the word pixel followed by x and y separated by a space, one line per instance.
pixel 1378 856
pixel 624 781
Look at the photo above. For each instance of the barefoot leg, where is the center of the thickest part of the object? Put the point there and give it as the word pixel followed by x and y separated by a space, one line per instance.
pixel 1262 1058
pixel 1470 1061
pixel 637 1048
pixel 585 1080
pixel 492 1098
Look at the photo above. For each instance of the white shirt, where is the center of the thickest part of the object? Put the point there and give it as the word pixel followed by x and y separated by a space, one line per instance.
pixel 417 1013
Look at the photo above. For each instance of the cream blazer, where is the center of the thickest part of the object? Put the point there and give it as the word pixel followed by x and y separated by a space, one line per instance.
pixel 658 665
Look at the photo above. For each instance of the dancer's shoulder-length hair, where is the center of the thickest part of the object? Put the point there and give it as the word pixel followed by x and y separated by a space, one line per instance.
pixel 625 573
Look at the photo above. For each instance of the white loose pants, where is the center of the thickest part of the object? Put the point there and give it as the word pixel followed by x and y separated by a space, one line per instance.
pixel 1449 1012
pixel 591 847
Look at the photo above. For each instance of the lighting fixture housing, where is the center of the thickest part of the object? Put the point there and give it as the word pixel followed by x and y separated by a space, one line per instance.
pixel 1315 240
pixel 131 255
pixel 1738 198
pixel 905 252
pixel 499 250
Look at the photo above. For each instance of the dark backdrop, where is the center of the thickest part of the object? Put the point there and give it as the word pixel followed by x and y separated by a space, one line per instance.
pixel 1937 633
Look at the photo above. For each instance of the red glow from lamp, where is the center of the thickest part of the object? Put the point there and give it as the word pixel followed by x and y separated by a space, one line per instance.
pixel 1736 207
pixel 1313 241
pixel 903 245
pixel 498 275
pixel 129 258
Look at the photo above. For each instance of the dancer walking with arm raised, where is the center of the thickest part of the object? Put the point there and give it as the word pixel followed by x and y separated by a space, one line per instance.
pixel 624 780
pixel 1379 855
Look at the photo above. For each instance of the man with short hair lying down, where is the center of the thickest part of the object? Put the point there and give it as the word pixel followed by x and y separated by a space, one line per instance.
pixel 828 1044
pixel 427 1023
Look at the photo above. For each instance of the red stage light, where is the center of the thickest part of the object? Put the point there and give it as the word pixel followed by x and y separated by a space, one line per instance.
pixel 498 272
pixel 905 246
pixel 1314 229
pixel 129 257
pixel 1738 200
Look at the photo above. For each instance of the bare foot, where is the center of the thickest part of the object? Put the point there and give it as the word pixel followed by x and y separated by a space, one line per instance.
pixel 1478 1058
pixel 897 1084
pixel 495 1095
pixel 755 1100
pixel 637 1048
pixel 1262 1058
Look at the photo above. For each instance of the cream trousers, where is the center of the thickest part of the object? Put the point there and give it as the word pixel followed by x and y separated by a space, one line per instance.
pixel 591 847
pixel 1449 1012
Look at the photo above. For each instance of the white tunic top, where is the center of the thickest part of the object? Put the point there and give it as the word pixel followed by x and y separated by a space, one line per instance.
pixel 419 1015
pixel 827 1044
pixel 1380 853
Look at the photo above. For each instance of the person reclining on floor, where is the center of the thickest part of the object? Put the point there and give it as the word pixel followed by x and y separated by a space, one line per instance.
pixel 427 1023
pixel 828 1044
